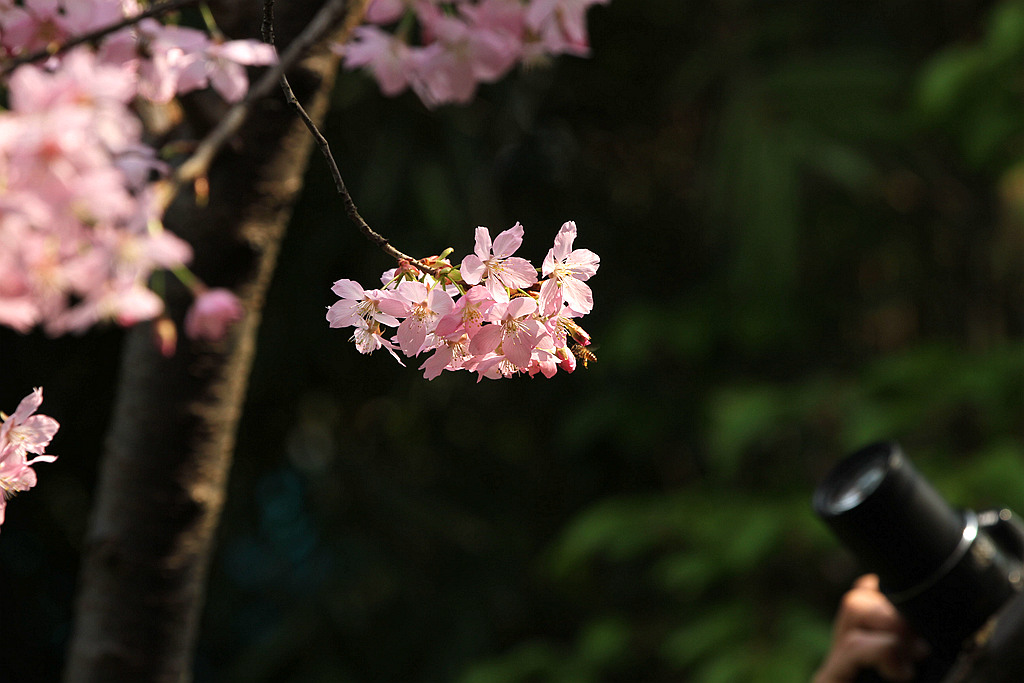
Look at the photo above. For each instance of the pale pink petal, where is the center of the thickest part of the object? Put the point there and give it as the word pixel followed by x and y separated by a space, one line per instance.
pixel 411 335
pixel 520 307
pixel 550 298
pixel 577 295
pixel 26 407
pixel 437 362
pixel 344 313
pixel 472 269
pixel 385 11
pixel 482 237
pixel 497 289
pixel 485 340
pixel 517 273
pixel 348 289
pixel 506 243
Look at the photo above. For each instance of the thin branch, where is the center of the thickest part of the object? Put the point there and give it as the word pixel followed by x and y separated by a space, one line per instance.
pixel 56 48
pixel 198 164
pixel 354 17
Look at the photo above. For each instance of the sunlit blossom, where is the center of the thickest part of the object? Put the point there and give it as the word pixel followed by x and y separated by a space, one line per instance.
pixel 21 434
pixel 489 320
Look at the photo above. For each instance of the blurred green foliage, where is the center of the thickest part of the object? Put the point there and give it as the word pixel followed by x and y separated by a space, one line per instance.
pixel 811 224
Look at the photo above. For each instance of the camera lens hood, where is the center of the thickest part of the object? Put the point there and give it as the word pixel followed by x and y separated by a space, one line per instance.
pixel 883 510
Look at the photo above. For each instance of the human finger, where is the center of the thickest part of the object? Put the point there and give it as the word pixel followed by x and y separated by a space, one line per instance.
pixel 883 651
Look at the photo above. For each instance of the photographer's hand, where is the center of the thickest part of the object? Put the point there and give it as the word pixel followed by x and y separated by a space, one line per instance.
pixel 870 634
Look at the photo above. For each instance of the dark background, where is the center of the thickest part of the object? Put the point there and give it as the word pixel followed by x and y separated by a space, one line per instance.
pixel 811 224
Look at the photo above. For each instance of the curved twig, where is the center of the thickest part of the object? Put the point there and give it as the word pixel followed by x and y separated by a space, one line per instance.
pixel 196 166
pixel 354 17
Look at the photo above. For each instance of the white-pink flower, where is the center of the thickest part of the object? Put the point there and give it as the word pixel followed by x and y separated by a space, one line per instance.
pixel 513 332
pixel 460 320
pixel 565 269
pixel 422 307
pixel 494 265
pixel 23 433
pixel 468 314
pixel 368 338
pixel 357 304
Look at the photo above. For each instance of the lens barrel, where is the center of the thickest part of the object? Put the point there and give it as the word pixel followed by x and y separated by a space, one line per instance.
pixel 939 567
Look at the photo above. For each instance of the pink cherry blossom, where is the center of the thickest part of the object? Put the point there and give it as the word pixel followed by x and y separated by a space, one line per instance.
pixel 461 322
pixel 451 353
pixel 357 304
pixel 494 265
pixel 389 58
pixel 223 66
pixel 467 49
pixel 469 313
pixel 212 314
pixel 514 333
pixel 422 307
pixel 23 433
pixel 81 237
pixel 33 26
pixel 169 53
pixel 461 44
pixel 565 270
pixel 368 338
pixel 561 24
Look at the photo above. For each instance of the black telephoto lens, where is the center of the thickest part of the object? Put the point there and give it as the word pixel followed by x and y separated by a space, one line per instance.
pixel 936 564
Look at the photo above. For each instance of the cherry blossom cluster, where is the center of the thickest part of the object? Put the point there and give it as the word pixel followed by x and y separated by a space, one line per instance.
pixel 492 315
pixel 22 434
pixel 80 225
pixel 443 49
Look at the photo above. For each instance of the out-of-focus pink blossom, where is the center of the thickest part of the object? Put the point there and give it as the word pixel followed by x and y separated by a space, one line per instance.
pixel 80 236
pixel 391 61
pixel 386 11
pixel 561 24
pixel 462 44
pixel 463 53
pixel 222 65
pixel 212 314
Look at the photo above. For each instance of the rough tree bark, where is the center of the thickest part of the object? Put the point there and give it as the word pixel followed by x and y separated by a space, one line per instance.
pixel 169 447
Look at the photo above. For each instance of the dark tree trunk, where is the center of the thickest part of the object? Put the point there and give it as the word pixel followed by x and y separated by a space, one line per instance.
pixel 162 480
